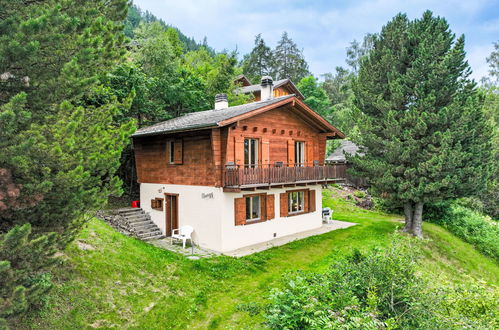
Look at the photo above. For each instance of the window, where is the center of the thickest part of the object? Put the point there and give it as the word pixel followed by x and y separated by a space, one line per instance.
pixel 250 152
pixel 253 208
pixel 157 204
pixel 171 152
pixel 299 153
pixel 296 201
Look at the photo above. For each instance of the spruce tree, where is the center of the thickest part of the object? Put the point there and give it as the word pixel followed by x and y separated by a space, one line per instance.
pixel 424 135
pixel 289 61
pixel 59 138
pixel 259 62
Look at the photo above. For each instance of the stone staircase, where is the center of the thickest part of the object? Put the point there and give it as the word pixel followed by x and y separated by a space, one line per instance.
pixel 139 224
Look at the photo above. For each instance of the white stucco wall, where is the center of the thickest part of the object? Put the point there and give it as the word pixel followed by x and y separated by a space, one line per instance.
pixel 213 218
pixel 203 214
pixel 235 237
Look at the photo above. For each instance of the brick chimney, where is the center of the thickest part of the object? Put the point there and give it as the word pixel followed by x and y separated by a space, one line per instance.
pixel 266 88
pixel 221 101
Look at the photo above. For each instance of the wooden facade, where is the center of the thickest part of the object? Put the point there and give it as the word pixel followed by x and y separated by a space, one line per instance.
pixel 215 156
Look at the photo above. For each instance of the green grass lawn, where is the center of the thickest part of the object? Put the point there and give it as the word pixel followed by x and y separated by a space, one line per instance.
pixel 125 282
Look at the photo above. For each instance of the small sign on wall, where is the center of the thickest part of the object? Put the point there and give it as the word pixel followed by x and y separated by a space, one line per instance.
pixel 207 196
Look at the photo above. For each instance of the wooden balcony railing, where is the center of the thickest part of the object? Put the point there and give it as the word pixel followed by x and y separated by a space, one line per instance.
pixel 237 176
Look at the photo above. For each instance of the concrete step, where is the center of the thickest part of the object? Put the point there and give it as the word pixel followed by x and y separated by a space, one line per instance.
pixel 131 213
pixel 153 237
pixel 137 218
pixel 149 233
pixel 142 224
pixel 144 228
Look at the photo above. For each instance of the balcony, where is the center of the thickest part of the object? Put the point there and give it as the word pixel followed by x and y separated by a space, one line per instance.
pixel 237 177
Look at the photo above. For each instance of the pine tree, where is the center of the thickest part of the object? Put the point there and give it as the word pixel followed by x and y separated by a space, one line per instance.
pixel 59 139
pixel 259 62
pixel 493 61
pixel 423 129
pixel 288 60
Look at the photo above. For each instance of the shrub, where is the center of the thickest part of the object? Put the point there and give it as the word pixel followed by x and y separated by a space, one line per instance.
pixel 360 194
pixel 468 225
pixel 469 305
pixel 381 289
pixel 374 290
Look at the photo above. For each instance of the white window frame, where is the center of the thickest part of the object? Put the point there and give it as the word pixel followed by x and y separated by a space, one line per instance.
pixel 250 207
pixel 171 152
pixel 251 151
pixel 300 199
pixel 299 153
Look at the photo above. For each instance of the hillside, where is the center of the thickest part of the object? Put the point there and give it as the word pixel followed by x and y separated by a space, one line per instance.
pixel 110 280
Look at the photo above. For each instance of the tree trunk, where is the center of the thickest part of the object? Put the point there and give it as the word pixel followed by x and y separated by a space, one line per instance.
pixel 417 220
pixel 408 217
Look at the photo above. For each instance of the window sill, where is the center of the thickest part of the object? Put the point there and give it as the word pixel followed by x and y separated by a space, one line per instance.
pixel 250 222
pixel 297 213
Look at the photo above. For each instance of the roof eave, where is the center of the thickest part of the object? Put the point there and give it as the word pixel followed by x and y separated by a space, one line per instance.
pixel 180 130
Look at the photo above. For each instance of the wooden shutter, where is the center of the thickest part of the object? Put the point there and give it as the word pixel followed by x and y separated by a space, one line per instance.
pixel 284 204
pixel 240 211
pixel 309 158
pixel 305 201
pixel 311 200
pixel 291 152
pixel 263 207
pixel 270 206
pixel 178 152
pixel 265 151
pixel 239 150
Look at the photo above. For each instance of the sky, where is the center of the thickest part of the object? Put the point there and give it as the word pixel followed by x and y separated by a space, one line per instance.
pixel 323 29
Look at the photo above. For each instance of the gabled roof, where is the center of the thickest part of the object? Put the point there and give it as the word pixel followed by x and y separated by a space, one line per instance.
pixel 223 117
pixel 278 83
pixel 205 119
pixel 346 147
pixel 243 80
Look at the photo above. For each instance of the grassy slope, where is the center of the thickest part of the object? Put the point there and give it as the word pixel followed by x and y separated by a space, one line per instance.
pixel 126 282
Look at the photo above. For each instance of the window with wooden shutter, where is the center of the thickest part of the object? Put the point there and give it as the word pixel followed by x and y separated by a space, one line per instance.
pixel 283 201
pixel 311 200
pixel 240 211
pixel 270 206
pixel 178 152
pixel 157 204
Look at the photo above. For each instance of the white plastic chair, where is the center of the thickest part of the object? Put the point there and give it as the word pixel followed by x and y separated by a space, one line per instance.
pixel 183 234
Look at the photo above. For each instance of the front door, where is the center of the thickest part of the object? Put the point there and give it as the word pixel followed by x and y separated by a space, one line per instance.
pixel 171 207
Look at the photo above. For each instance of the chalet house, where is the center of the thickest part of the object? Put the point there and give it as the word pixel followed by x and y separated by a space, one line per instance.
pixel 280 88
pixel 238 175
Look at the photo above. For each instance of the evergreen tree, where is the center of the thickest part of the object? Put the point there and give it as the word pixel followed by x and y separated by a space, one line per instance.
pixel 424 133
pixel 315 96
pixel 60 144
pixel 493 61
pixel 288 60
pixel 259 62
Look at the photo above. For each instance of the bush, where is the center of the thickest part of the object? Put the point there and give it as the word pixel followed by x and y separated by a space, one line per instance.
pixel 380 289
pixel 370 291
pixel 360 194
pixel 468 225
